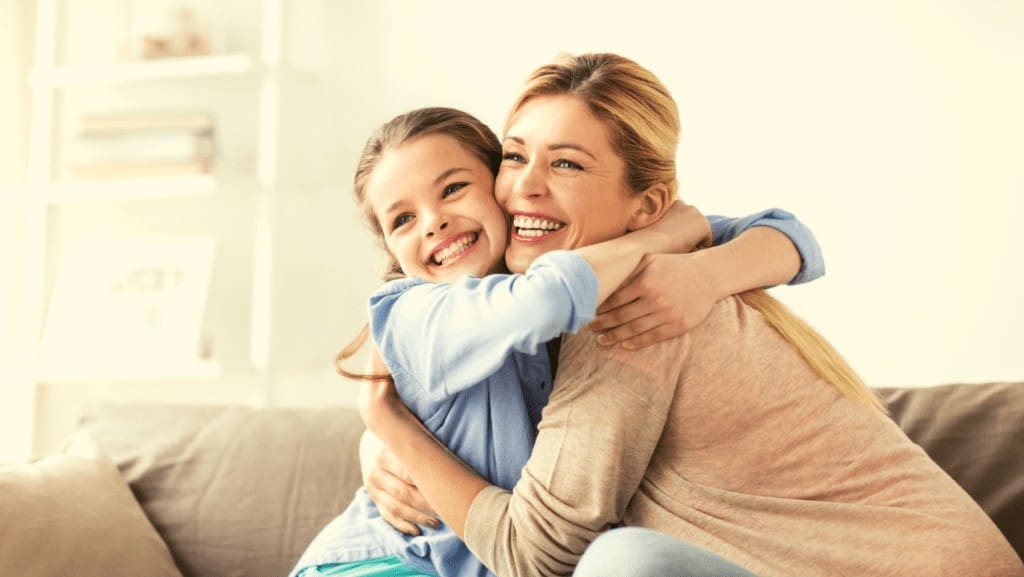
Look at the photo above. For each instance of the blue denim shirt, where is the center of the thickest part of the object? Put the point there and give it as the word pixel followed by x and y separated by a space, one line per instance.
pixel 468 359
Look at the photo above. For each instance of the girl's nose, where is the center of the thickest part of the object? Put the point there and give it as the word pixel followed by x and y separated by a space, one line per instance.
pixel 436 224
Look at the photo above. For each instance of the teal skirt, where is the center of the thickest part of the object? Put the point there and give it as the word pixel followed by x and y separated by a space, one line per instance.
pixel 384 567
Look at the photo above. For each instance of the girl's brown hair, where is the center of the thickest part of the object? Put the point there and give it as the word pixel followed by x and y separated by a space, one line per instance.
pixel 469 131
pixel 643 121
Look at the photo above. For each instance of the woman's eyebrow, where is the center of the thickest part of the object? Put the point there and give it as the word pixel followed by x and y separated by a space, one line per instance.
pixel 571 146
pixel 556 146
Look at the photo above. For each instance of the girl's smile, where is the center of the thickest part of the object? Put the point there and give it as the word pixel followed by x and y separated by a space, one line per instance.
pixel 453 248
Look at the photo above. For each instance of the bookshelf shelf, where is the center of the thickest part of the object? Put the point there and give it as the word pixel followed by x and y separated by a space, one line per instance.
pixel 127 72
pixel 130 188
pixel 244 89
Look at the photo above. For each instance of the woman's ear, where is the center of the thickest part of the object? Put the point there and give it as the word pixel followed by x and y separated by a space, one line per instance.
pixel 651 206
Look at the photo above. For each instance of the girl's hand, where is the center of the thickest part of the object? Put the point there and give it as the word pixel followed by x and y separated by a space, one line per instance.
pixel 399 500
pixel 684 227
pixel 669 295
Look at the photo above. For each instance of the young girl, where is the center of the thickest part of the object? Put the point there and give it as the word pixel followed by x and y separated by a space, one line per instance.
pixel 462 340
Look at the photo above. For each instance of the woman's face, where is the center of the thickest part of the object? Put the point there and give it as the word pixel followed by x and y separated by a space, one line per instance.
pixel 435 203
pixel 561 180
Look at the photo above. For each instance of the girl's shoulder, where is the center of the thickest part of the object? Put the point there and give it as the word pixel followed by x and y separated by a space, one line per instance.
pixel 396 287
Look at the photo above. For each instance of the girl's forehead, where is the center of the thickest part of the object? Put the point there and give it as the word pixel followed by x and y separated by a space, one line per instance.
pixel 420 166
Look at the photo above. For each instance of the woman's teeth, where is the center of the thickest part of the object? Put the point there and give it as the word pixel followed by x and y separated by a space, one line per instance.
pixel 455 249
pixel 534 226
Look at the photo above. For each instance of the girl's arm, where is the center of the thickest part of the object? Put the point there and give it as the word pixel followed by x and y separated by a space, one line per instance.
pixel 447 337
pixel 673 293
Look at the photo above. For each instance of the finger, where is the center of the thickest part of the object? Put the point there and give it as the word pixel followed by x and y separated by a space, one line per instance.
pixel 403 492
pixel 616 317
pixel 660 333
pixel 405 518
pixel 630 330
pixel 625 294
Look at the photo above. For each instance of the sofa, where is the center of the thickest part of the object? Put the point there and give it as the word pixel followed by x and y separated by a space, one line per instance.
pixel 227 491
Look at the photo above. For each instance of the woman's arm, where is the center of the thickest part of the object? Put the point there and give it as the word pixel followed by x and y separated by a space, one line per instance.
pixel 589 459
pixel 673 293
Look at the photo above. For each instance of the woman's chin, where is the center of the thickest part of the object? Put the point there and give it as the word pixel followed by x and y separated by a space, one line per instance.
pixel 519 259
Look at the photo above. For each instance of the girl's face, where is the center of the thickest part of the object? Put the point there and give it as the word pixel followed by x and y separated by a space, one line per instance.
pixel 561 180
pixel 435 203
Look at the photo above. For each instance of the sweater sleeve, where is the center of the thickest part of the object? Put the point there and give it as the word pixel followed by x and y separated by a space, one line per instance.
pixel 447 337
pixel 724 229
pixel 607 411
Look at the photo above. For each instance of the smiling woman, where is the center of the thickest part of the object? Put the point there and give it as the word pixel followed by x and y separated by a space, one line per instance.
pixel 558 161
pixel 746 447
pixel 464 342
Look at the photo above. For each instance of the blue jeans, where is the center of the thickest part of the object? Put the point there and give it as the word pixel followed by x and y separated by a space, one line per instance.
pixel 641 552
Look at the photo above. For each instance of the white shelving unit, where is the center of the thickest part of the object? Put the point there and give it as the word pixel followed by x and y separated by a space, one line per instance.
pixel 42 194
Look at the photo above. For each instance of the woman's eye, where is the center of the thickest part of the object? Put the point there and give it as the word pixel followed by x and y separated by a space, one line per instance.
pixel 513 157
pixel 453 188
pixel 563 163
pixel 400 220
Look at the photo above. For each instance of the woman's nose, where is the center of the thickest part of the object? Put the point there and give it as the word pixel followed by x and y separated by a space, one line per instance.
pixel 530 182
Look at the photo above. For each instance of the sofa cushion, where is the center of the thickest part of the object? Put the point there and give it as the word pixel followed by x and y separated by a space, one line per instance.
pixel 79 501
pixel 976 434
pixel 234 491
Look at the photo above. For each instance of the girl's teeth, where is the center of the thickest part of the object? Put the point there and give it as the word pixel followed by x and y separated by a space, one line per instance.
pixel 454 249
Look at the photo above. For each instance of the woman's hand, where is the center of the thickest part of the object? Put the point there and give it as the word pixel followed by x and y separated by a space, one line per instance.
pixel 399 500
pixel 668 295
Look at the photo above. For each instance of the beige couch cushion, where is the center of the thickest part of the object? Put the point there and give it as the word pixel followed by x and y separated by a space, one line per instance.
pixel 72 514
pixel 976 434
pixel 234 492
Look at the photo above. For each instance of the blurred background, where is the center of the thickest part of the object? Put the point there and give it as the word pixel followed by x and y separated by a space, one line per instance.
pixel 176 222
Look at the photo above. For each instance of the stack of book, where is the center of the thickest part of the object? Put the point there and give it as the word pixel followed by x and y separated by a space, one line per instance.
pixel 139 145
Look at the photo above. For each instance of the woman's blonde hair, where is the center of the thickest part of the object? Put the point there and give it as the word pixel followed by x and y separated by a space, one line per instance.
pixel 465 128
pixel 643 121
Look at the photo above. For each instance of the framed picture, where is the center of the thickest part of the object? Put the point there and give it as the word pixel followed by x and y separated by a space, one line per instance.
pixel 127 306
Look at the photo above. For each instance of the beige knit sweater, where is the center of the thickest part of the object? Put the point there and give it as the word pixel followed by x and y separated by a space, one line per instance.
pixel 726 439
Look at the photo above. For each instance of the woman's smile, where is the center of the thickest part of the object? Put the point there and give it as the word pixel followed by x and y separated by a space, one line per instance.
pixel 534 227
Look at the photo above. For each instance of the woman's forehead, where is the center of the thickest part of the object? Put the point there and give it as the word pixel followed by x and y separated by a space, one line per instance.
pixel 558 120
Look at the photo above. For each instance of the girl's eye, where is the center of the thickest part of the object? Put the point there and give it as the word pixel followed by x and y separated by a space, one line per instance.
pixel 453 188
pixel 401 220
pixel 513 157
pixel 563 163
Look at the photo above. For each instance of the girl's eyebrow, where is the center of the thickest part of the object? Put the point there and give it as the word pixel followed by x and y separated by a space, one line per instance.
pixel 440 178
pixel 556 146
pixel 448 173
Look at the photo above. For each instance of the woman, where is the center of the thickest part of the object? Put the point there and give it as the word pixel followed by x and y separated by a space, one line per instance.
pixel 748 444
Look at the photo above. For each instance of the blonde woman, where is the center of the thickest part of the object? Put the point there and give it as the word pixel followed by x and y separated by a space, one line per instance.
pixel 746 447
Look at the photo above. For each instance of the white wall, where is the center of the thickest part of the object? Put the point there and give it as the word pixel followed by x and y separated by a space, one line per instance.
pixel 893 129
